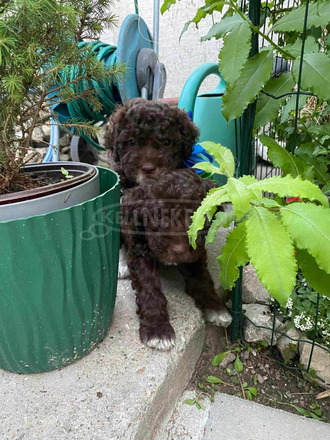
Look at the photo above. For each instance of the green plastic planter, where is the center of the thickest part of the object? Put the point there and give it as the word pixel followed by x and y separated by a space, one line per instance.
pixel 58 275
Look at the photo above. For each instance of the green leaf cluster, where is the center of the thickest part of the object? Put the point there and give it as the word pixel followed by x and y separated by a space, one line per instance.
pixel 268 231
pixel 252 78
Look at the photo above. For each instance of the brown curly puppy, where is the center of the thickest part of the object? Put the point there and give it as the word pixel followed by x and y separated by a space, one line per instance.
pixel 155 217
pixel 147 139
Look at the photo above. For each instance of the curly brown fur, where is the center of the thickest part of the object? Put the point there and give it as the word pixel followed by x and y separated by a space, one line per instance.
pixel 147 139
pixel 155 218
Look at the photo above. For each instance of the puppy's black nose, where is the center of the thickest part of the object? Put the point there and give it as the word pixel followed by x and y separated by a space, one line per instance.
pixel 148 168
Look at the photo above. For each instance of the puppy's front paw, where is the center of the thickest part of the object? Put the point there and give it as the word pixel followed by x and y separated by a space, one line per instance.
pixel 160 337
pixel 123 272
pixel 220 317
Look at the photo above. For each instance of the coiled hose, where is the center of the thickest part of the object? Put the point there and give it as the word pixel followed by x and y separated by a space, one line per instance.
pixel 107 94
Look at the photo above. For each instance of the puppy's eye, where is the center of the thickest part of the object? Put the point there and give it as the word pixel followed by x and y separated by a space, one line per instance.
pixel 167 142
pixel 130 142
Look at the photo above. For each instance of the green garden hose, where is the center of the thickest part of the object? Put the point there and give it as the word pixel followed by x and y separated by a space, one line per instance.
pixel 106 92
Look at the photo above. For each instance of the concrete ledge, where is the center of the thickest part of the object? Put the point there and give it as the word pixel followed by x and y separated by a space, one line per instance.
pixel 122 390
pixel 233 418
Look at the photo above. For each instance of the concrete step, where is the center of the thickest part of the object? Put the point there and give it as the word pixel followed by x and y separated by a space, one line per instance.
pixel 233 418
pixel 121 390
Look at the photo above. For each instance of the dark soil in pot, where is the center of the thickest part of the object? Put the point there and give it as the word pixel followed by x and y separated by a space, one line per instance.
pixel 48 178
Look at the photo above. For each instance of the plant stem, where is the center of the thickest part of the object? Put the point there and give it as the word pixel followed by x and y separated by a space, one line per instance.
pixel 255 29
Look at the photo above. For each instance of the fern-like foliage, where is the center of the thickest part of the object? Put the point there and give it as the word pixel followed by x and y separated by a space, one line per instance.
pixel 38 47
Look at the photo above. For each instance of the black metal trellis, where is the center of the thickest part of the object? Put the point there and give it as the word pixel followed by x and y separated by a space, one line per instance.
pixel 249 163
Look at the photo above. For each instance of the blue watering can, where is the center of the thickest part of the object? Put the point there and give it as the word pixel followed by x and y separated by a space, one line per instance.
pixel 205 110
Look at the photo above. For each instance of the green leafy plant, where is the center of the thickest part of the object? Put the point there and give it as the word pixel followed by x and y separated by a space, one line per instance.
pixel 246 77
pixel 313 413
pixel 38 47
pixel 274 236
pixel 246 391
pixel 251 78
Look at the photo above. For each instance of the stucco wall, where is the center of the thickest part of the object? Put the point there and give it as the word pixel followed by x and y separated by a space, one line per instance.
pixel 181 58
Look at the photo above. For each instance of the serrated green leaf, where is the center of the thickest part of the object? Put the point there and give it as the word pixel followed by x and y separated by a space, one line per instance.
pixel 213 5
pixel 256 194
pixel 254 74
pixel 210 203
pixel 291 187
pixel 271 252
pixel 200 14
pixel 290 107
pixel 232 256
pixel 213 379
pixel 219 358
pixel 185 28
pixel 315 74
pixel 222 155
pixel 268 107
pixel 320 130
pixel 207 167
pixel 239 195
pixel 317 278
pixel 282 158
pixel 234 53
pixel 326 189
pixel 247 179
pixel 294 49
pixel 318 165
pixel 238 365
pixel 166 5
pixel 221 219
pixel 270 202
pixel 309 226
pixel 227 24
pixel 318 15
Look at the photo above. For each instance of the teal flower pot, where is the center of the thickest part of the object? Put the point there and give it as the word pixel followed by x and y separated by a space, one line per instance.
pixel 58 285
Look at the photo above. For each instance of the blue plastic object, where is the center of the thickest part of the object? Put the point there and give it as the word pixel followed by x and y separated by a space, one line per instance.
pixel 199 154
pixel 205 109
pixel 134 35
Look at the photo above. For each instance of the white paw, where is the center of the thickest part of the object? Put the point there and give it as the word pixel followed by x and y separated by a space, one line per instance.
pixel 123 271
pixel 161 344
pixel 221 317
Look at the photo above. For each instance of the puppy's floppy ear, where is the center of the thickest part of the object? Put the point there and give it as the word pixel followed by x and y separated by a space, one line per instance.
pixel 189 131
